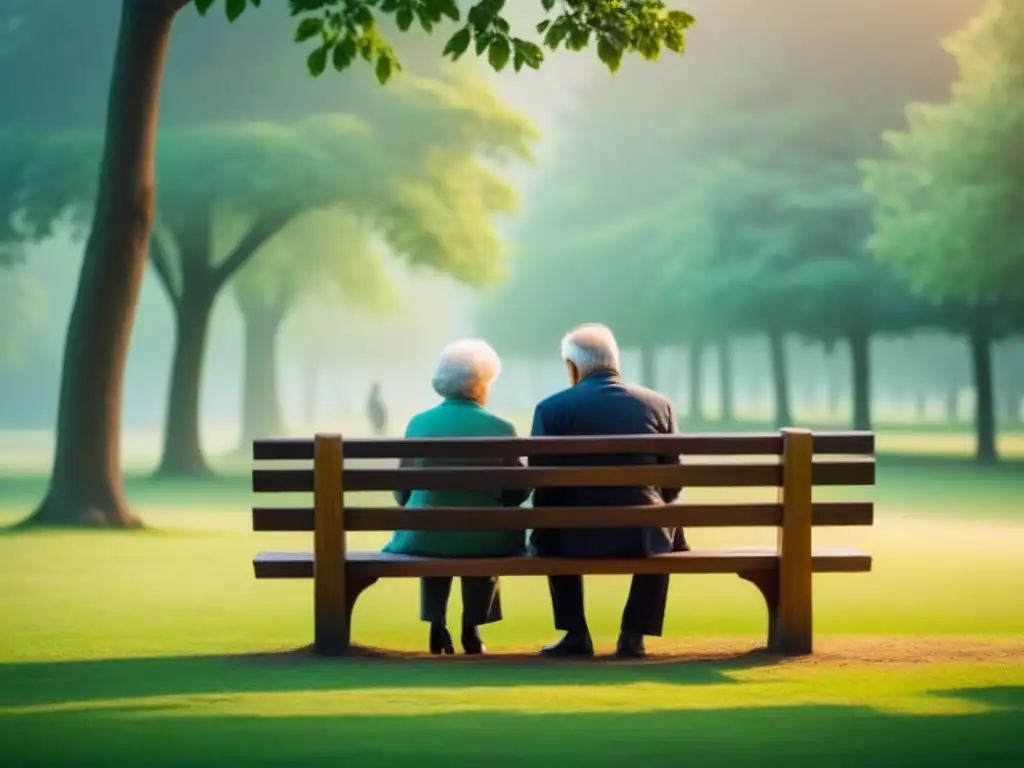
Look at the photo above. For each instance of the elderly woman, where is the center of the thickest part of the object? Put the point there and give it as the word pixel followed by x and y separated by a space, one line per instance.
pixel 463 379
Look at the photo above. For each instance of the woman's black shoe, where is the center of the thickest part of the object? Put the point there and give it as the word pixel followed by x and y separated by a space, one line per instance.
pixel 440 640
pixel 471 641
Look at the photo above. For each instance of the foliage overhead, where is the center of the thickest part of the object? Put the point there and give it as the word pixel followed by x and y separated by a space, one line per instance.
pixel 327 254
pixel 419 163
pixel 346 31
pixel 948 200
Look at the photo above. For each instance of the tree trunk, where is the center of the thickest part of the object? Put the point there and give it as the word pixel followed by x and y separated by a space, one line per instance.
pixel 860 366
pixel 261 401
pixel 310 381
pixel 727 410
pixel 953 404
pixel 696 383
pixel 183 453
pixel 648 366
pixel 832 379
pixel 780 379
pixel 980 338
pixel 87 483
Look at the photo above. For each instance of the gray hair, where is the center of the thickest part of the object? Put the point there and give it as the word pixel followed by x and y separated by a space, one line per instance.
pixel 467 369
pixel 591 347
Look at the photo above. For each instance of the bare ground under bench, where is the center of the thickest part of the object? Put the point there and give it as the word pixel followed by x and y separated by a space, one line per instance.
pixel 829 651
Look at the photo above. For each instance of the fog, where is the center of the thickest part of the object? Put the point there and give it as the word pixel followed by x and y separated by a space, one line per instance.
pixel 599 135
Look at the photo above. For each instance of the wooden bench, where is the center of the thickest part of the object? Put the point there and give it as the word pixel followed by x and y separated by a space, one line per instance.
pixel 787 461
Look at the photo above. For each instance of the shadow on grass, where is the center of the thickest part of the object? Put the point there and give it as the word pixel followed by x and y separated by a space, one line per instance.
pixel 791 736
pixel 36 683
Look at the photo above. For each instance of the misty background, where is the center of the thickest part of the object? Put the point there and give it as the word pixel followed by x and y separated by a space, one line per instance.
pixel 601 149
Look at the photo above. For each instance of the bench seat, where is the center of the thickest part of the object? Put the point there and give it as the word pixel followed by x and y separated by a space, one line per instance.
pixel 377 565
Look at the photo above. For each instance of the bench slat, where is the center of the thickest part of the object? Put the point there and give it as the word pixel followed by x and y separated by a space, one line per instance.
pixel 765 444
pixel 299 565
pixel 518 518
pixel 692 475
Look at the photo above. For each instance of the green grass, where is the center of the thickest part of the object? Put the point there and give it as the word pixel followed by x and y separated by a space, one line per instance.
pixel 159 648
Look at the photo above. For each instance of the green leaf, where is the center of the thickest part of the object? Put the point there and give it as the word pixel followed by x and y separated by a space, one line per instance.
pixel 649 47
pixel 548 4
pixel 556 33
pixel 343 54
pixel 529 53
pixel 498 53
pixel 680 19
pixel 384 68
pixel 483 39
pixel 480 17
pixel 404 18
pixel 425 21
pixel 609 53
pixel 309 28
pixel 234 8
pixel 542 27
pixel 674 40
pixel 457 44
pixel 316 62
pixel 448 8
pixel 203 6
pixel 579 38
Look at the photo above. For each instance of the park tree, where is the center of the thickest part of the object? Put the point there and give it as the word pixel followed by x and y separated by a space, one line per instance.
pixel 410 170
pixel 946 195
pixel 627 188
pixel 86 485
pixel 328 256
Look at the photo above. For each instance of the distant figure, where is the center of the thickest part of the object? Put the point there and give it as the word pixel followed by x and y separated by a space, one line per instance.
pixel 600 402
pixel 463 379
pixel 377 411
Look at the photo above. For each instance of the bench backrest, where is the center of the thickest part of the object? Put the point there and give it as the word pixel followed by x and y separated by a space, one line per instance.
pixel 793 461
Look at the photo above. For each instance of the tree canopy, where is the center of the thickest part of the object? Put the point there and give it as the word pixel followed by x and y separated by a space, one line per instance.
pixel 948 205
pixel 345 31
pixel 327 255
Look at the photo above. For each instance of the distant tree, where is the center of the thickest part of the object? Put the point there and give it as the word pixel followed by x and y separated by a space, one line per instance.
pixel 327 256
pixel 22 314
pixel 86 485
pixel 947 195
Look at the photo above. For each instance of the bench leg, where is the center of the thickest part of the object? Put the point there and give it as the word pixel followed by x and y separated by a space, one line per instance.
pixel 354 587
pixel 768 583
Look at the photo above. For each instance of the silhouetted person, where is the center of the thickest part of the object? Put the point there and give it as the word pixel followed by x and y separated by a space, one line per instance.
pixel 376 411
pixel 600 402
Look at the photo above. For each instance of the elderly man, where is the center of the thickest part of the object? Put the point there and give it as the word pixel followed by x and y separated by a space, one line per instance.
pixel 599 402
pixel 463 379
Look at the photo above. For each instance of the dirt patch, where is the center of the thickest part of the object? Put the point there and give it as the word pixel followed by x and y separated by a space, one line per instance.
pixel 831 651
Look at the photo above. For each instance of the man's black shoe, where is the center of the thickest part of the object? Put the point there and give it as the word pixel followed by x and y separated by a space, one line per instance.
pixel 630 646
pixel 571 644
pixel 472 643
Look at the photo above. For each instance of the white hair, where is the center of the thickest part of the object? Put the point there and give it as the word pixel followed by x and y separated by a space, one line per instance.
pixel 466 369
pixel 591 347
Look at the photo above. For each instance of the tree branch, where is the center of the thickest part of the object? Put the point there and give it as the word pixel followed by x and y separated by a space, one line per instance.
pixel 162 264
pixel 265 227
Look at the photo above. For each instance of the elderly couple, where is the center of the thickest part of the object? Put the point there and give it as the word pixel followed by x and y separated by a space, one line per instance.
pixel 599 402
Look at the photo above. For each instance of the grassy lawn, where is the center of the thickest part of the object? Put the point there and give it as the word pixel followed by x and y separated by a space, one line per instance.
pixel 159 648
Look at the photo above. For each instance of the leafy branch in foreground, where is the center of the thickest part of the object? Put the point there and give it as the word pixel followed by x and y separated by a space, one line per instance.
pixel 346 31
